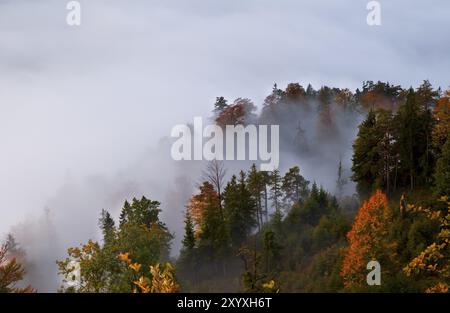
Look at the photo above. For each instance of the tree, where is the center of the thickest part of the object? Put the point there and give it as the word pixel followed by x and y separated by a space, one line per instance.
pixel 275 189
pixel 434 260
pixel 294 186
pixel 426 98
pixel 410 140
pixel 210 228
pixel 240 208
pixel 442 115
pixel 341 181
pixel 187 260
pixel 442 171
pixel 199 204
pixel 254 279
pixel 107 226
pixel 220 104
pixel 295 92
pixel 11 272
pixel 189 234
pixel 256 185
pixel 272 250
pixel 385 150
pixel 367 240
pixel 215 173
pixel 237 113
pixel 160 280
pixel 314 206
pixel 365 156
pixel 93 267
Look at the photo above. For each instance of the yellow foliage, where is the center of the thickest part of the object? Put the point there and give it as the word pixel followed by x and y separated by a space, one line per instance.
pixel 439 288
pixel 135 266
pixel 432 260
pixel 124 257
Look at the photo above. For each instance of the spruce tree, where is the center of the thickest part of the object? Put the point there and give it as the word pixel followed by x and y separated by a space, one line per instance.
pixel 189 234
pixel 240 209
pixel 106 224
pixel 365 156
pixel 255 182
pixel 275 190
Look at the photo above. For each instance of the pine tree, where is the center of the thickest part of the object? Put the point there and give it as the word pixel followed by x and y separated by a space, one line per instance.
pixel 294 186
pixel 189 234
pixel 341 181
pixel 256 185
pixel 426 98
pixel 275 190
pixel 107 226
pixel 220 104
pixel 187 259
pixel 385 150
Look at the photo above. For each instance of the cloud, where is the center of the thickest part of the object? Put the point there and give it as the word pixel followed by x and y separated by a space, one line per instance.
pixel 92 101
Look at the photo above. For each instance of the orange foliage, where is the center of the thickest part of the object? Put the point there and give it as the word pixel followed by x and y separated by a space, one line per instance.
pixel 366 239
pixel 200 202
pixel 374 99
pixel 236 113
pixel 442 115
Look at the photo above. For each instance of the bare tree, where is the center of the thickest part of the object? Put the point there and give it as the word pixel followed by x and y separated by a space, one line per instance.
pixel 215 174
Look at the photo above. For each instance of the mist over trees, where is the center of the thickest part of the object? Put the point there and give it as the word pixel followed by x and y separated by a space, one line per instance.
pixel 252 231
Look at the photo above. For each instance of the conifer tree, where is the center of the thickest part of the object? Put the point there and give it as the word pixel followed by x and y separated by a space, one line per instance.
pixel 256 185
pixel 365 156
pixel 410 141
pixel 107 226
pixel 240 209
pixel 275 190
pixel 220 104
pixel 294 186
pixel 189 234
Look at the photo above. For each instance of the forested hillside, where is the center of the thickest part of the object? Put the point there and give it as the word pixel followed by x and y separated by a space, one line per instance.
pixel 254 231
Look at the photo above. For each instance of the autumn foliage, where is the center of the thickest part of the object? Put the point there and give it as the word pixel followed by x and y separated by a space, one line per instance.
pixel 367 239
pixel 11 272
pixel 433 261
pixel 200 202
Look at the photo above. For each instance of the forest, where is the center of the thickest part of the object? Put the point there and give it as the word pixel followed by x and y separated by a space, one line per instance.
pixel 270 232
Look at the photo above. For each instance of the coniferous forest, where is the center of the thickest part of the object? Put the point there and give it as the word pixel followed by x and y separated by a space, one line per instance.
pixel 266 232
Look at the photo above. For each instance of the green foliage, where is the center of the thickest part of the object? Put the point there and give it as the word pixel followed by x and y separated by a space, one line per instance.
pixel 269 232
pixel 365 157
pixel 442 171
pixel 240 209
pixel 294 186
pixel 97 268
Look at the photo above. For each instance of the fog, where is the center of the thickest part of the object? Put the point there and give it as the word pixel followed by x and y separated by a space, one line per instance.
pixel 84 111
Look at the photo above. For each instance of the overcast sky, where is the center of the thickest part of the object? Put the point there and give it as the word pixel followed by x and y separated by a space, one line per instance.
pixel 90 100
